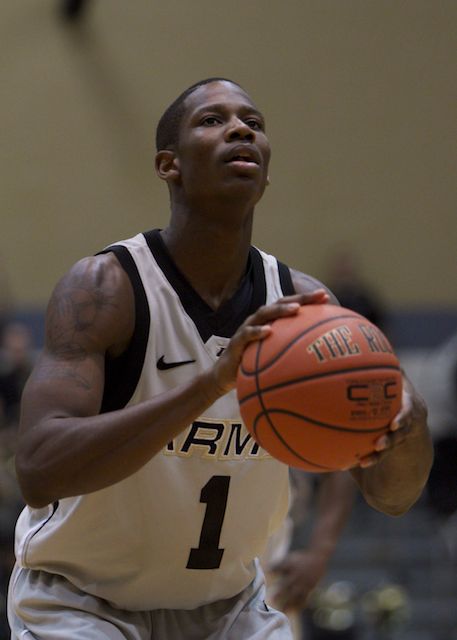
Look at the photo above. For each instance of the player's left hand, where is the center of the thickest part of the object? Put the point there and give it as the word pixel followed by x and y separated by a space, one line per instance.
pixel 296 576
pixel 409 423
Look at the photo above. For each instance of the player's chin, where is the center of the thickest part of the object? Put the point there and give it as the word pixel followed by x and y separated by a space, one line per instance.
pixel 247 180
pixel 247 173
pixel 245 186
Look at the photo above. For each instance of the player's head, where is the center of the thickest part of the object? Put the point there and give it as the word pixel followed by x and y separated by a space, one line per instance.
pixel 167 133
pixel 212 145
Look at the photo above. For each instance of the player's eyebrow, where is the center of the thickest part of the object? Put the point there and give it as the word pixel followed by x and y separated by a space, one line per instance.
pixel 222 106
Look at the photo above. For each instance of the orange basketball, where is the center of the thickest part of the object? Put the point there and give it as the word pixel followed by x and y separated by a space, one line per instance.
pixel 320 389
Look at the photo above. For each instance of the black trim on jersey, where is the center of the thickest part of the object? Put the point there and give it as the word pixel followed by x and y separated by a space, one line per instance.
pixel 285 279
pixel 123 373
pixel 223 322
pixel 55 506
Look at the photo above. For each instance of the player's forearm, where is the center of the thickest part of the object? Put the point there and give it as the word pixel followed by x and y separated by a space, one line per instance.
pixel 67 456
pixel 395 483
pixel 335 500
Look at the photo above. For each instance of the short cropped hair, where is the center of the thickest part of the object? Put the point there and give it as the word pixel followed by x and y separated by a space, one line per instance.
pixel 167 133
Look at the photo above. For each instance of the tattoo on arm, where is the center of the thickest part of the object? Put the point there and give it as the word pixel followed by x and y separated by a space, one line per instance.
pixel 61 371
pixel 73 314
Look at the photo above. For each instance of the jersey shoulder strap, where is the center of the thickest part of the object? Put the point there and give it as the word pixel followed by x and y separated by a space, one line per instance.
pixel 285 279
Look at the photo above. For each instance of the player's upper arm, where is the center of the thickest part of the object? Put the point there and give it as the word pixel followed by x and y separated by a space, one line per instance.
pixel 90 313
pixel 304 283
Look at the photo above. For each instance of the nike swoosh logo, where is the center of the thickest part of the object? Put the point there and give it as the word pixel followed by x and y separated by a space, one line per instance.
pixel 163 366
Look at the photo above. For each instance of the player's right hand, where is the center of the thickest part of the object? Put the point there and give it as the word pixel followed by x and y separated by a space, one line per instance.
pixel 257 327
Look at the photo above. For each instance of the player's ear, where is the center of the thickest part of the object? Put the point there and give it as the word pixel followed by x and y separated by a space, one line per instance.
pixel 167 165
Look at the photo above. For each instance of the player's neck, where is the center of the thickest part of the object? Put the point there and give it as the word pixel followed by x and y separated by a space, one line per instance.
pixel 212 256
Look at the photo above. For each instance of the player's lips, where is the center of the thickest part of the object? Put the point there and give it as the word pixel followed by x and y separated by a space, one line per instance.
pixel 243 153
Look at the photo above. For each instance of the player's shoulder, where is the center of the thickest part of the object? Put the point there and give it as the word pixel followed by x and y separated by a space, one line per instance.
pixel 93 273
pixel 304 283
pixel 94 297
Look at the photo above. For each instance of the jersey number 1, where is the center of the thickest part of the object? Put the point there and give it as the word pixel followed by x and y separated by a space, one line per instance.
pixel 208 555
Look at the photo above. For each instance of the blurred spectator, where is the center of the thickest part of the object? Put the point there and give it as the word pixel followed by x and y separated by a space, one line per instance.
pixel 437 381
pixel 6 298
pixel 345 280
pixel 8 518
pixel 323 502
pixel 16 359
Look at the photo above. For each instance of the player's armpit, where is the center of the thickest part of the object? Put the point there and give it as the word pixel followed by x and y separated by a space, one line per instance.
pixel 304 283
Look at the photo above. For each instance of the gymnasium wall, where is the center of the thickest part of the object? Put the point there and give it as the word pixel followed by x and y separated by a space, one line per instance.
pixel 360 101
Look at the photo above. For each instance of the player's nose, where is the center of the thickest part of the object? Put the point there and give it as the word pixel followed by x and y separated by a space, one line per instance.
pixel 237 129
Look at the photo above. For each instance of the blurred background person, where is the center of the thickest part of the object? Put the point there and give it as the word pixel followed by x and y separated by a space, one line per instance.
pixel 16 359
pixel 6 297
pixel 321 503
pixel 345 279
pixel 436 379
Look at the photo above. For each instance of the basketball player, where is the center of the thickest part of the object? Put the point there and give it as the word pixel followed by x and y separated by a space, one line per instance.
pixel 148 504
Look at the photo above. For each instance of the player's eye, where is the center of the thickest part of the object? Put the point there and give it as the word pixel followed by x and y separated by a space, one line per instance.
pixel 210 121
pixel 255 124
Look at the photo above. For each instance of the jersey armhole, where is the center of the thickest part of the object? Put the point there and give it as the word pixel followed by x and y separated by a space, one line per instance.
pixel 123 373
pixel 285 279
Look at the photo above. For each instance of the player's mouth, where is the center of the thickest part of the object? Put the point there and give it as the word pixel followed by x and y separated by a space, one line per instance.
pixel 243 155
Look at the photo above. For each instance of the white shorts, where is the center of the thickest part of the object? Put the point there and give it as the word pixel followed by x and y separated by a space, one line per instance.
pixel 44 606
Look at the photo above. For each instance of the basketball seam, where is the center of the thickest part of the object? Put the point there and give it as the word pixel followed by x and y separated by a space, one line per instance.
pixel 258 392
pixel 265 413
pixel 326 425
pixel 315 376
pixel 292 342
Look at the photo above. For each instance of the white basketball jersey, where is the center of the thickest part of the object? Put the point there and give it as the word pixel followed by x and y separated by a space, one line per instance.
pixel 183 530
